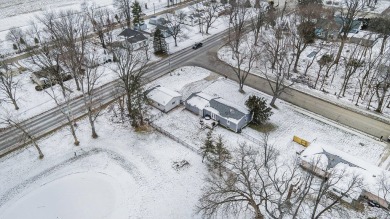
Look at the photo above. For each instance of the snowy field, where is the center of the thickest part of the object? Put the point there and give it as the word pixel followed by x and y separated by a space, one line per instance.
pixel 124 174
pixel 121 174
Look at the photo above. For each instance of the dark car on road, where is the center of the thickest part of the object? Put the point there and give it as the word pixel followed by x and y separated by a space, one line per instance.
pixel 197 45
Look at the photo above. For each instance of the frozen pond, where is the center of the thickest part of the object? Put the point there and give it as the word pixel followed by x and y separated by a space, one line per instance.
pixel 79 195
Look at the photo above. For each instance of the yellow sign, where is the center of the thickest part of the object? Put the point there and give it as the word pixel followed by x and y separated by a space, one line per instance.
pixel 301 141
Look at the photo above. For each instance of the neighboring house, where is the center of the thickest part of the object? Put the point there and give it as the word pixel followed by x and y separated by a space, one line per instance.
pixel 45 77
pixel 165 31
pixel 227 114
pixel 190 20
pixel 330 29
pixel 163 98
pixel 157 21
pixel 136 38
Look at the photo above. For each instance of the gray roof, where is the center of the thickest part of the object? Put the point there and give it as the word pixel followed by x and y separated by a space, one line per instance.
pixel 137 38
pixel 133 36
pixel 228 109
pixel 129 32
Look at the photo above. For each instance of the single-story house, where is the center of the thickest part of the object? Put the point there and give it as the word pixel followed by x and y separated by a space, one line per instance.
pixel 162 98
pixel 329 159
pixel 197 102
pixel 136 38
pixel 227 114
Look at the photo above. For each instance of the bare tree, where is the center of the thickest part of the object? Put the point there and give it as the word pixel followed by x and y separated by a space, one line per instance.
pixel 322 189
pixel 100 18
pixel 9 120
pixel 382 86
pixel 89 80
pixel 175 26
pixel 257 21
pixel 131 67
pixel 210 14
pixel 17 37
pixel 244 59
pixel 124 9
pixel 383 191
pixel 69 36
pixel 34 32
pixel 352 64
pixel 264 183
pixel 9 84
pixel 277 49
pixel 371 66
pixel 47 60
pixel 347 15
pixel 302 33
pixel 237 189
pixel 243 53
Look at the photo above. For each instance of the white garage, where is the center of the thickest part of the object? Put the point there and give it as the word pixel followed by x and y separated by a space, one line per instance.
pixel 163 99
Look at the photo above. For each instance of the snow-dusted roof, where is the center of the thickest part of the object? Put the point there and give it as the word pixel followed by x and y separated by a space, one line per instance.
pixel 333 158
pixel 162 95
pixel 229 110
pixel 233 105
pixel 205 96
pixel 199 100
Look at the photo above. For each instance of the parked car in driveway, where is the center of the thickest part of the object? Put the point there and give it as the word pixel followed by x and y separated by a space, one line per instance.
pixel 197 45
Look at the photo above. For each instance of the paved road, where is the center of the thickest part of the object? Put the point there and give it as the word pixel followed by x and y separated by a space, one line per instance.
pixel 203 57
pixel 53 119
pixel 366 124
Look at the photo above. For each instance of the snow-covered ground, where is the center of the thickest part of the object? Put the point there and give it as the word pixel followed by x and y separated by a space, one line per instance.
pixel 32 102
pixel 126 174
pixel 20 13
pixel 122 174
pixel 333 83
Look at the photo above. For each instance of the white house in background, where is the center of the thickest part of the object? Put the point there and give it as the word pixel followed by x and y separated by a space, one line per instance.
pixel 162 98
pixel 137 38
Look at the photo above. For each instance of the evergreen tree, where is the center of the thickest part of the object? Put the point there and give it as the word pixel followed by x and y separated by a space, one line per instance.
pixel 381 25
pixel 159 44
pixel 247 4
pixel 220 155
pixel 259 109
pixel 22 41
pixel 208 148
pixel 257 4
pixel 233 3
pixel 136 11
pixel 306 30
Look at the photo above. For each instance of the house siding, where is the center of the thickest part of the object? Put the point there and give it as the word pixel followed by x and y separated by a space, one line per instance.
pixel 222 121
pixel 172 104
pixel 193 109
